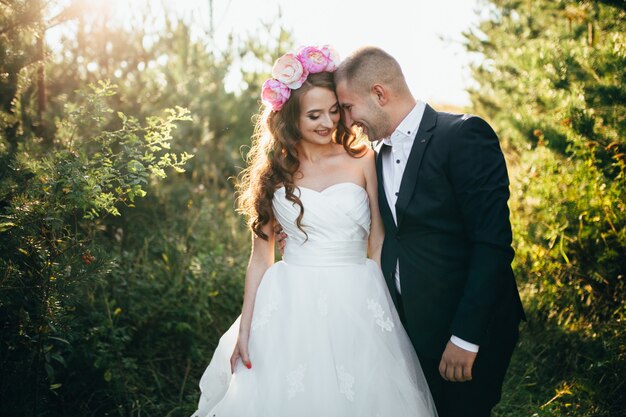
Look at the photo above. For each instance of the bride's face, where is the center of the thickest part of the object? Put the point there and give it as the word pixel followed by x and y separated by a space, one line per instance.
pixel 319 115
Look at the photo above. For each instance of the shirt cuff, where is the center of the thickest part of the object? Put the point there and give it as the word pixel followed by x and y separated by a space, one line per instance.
pixel 464 345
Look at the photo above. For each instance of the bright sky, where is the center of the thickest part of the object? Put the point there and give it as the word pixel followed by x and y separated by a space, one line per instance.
pixel 423 35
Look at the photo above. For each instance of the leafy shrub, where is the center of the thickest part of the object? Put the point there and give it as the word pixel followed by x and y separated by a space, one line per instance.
pixel 54 202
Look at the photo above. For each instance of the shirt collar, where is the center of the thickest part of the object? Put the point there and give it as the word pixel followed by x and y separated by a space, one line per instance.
pixel 408 126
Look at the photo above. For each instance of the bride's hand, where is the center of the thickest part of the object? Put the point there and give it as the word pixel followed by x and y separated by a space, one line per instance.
pixel 240 352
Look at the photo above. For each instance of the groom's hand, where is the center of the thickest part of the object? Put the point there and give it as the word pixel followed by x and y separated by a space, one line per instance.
pixel 456 364
pixel 281 238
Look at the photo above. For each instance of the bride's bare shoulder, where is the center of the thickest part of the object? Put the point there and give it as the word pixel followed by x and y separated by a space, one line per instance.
pixel 366 157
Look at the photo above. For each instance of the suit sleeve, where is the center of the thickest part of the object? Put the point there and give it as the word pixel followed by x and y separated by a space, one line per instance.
pixel 481 185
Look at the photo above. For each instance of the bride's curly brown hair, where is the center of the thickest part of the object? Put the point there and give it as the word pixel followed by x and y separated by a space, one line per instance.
pixel 273 156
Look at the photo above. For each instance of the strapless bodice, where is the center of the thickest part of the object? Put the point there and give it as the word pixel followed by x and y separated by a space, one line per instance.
pixel 336 221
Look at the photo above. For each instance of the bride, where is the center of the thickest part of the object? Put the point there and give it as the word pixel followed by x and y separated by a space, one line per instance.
pixel 318 333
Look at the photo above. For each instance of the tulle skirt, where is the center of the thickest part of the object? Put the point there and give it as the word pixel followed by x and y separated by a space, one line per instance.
pixel 324 341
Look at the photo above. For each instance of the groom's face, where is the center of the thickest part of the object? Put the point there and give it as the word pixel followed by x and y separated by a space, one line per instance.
pixel 362 111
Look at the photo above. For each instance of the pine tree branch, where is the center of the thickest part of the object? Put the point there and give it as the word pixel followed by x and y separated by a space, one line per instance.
pixel 25 19
pixel 620 4
pixel 69 13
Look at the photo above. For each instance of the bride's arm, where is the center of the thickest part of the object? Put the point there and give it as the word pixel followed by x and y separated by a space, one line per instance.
pixel 377 231
pixel 261 258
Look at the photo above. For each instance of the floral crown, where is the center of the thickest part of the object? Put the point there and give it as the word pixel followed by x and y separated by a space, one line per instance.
pixel 290 71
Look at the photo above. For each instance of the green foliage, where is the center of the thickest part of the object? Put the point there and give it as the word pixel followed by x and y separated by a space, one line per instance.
pixel 98 173
pixel 571 235
pixel 116 282
pixel 168 297
pixel 560 67
pixel 50 261
pixel 552 83
pixel 556 372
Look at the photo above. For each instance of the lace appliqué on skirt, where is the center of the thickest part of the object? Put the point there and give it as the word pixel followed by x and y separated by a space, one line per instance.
pixel 379 315
pixel 346 382
pixel 294 381
pixel 261 318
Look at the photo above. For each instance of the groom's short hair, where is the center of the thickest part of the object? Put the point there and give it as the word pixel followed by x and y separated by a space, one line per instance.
pixel 368 66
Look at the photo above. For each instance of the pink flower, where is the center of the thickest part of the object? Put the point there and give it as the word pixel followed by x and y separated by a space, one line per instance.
pixel 313 59
pixel 333 58
pixel 289 70
pixel 274 94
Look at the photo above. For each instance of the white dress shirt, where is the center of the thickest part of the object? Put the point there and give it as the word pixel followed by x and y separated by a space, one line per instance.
pixel 394 163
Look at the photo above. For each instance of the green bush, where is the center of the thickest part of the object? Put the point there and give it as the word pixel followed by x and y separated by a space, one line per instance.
pixel 116 283
pixel 552 84
pixel 54 204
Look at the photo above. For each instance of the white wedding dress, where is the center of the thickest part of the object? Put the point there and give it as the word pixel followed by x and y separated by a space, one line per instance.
pixel 325 338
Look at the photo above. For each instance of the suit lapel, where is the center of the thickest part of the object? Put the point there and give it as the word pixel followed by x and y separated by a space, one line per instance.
pixel 383 204
pixel 409 178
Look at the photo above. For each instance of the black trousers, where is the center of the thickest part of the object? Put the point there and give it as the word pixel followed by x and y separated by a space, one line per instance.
pixel 477 397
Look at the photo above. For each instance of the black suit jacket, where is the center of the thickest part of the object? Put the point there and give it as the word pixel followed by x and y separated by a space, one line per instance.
pixel 453 237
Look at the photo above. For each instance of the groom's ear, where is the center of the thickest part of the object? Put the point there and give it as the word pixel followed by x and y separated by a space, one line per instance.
pixel 380 94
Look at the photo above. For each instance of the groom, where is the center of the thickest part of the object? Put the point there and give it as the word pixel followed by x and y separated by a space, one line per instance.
pixel 443 191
